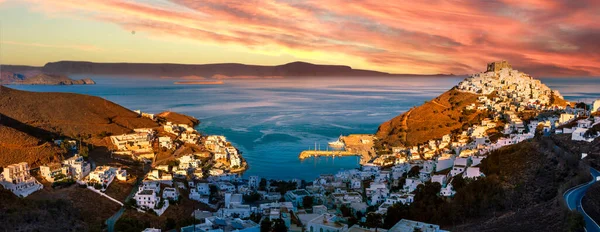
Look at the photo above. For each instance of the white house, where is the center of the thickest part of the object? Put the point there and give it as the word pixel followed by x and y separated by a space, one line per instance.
pixel 254 182
pixel 146 198
pixel 411 184
pixel 18 180
pixel 565 118
pixel 203 188
pixel 165 141
pixel 325 223
pixel 170 193
pixel 52 171
pixel 439 179
pixel 409 225
pixel 584 123
pixel 78 167
pixel 578 135
pixel 473 173
pixel 596 106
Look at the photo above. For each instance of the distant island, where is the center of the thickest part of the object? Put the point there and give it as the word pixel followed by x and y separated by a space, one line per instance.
pixel 198 82
pixel 294 69
pixel 40 78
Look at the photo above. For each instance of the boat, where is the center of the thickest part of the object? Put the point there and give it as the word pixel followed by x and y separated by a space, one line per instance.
pixel 337 143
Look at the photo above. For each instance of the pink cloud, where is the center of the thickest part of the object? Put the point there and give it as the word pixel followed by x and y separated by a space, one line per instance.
pixel 541 37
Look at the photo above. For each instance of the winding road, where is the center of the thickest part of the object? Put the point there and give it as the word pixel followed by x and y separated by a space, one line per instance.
pixel 573 198
pixel 112 221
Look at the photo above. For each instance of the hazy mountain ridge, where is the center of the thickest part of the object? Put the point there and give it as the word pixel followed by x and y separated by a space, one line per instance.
pixel 294 69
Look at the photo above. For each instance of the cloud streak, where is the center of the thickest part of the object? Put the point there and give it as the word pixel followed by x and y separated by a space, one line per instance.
pixel 87 48
pixel 540 37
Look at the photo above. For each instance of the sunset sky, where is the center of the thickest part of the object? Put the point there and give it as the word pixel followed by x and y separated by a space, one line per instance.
pixel 543 38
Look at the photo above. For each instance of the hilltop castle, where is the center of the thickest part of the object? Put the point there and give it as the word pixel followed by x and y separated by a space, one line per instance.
pixel 497 66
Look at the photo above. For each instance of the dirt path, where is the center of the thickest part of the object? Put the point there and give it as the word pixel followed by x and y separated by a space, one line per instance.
pixel 437 103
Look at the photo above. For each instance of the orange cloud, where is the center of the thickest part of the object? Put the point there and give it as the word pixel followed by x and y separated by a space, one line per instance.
pixel 541 37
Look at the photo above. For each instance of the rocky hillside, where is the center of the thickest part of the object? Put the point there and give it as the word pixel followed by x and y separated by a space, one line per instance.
pixel 532 176
pixel 30 120
pixel 448 112
pixel 431 120
pixel 178 118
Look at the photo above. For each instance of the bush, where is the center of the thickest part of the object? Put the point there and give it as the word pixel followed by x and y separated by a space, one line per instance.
pixel 307 202
pixel 252 197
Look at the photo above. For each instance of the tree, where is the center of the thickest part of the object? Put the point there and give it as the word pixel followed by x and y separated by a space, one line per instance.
pixel 414 171
pixel 346 211
pixel 279 225
pixel 213 191
pixel 265 225
pixel 255 217
pixel 130 224
pixel 170 224
pixel 307 202
pixel 359 215
pixel 85 151
pixel 575 221
pixel 251 197
pixel 458 182
pixel 373 220
pixel 263 184
pixel 394 214
pixel 582 105
pixel 352 221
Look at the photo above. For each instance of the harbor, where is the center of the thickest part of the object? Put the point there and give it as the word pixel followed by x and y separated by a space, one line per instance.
pixel 317 153
pixel 351 145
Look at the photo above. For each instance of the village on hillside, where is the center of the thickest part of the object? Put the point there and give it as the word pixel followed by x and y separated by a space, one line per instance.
pixel 181 164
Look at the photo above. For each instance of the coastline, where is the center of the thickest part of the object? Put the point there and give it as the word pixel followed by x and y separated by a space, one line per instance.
pixel 198 82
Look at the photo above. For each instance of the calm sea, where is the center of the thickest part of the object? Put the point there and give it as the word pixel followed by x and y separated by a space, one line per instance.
pixel 272 121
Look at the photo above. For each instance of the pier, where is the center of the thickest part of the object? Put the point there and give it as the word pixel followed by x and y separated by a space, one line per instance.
pixel 317 153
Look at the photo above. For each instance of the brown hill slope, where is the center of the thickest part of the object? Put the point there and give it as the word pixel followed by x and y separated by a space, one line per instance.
pixel 30 120
pixel 533 175
pixel 178 118
pixel 68 113
pixel 432 120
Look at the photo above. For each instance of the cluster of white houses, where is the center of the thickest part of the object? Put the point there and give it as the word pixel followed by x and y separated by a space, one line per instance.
pixel 223 151
pixel 75 168
pixel 138 145
pixel 459 154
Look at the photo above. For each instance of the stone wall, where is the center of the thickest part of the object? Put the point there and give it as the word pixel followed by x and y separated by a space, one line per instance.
pixel 497 66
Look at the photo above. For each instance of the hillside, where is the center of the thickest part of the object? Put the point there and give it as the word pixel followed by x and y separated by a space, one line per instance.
pixel 178 118
pixel 68 209
pixel 30 120
pixel 496 91
pixel 431 120
pixel 522 191
pixel 532 175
